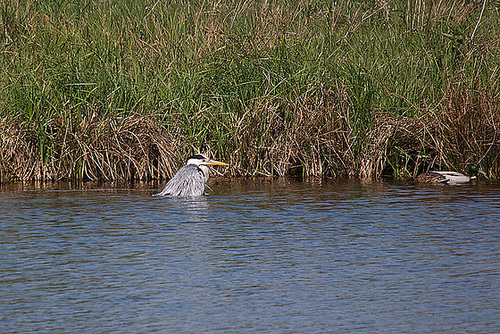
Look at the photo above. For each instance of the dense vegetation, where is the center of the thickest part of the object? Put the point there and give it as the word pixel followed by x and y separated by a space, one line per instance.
pixel 128 89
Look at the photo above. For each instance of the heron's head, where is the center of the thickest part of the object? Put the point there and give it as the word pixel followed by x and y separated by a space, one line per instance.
pixel 201 159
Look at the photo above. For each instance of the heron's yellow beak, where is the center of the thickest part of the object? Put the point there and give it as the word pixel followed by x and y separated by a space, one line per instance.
pixel 216 163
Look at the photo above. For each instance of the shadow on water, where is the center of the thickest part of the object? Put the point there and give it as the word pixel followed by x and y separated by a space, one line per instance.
pixel 255 255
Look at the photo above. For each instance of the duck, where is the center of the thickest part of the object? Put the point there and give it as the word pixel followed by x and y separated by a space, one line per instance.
pixel 450 177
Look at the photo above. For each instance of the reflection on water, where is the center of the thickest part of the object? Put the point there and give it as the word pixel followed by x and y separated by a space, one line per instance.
pixel 269 256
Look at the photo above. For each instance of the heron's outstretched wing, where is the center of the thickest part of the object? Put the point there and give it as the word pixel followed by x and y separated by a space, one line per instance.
pixel 188 181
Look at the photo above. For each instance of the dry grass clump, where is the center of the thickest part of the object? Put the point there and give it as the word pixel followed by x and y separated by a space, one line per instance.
pixel 128 148
pixel 391 145
pixel 467 130
pixel 17 152
pixel 464 128
pixel 306 135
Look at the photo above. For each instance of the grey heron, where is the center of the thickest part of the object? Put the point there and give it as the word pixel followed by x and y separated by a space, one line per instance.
pixel 449 177
pixel 190 179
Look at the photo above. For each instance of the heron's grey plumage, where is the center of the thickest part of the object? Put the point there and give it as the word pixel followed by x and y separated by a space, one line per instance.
pixel 188 181
pixel 191 179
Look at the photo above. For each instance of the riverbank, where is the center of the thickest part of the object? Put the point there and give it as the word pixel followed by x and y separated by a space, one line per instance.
pixel 109 91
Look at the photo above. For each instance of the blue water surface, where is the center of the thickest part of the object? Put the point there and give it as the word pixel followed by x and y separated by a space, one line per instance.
pixel 264 256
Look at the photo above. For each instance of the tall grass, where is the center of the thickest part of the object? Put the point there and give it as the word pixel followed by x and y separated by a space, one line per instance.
pixel 128 89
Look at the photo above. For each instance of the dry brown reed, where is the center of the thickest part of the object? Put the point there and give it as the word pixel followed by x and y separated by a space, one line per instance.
pixel 128 148
pixel 308 135
pixel 311 136
pixel 467 130
pixel 464 128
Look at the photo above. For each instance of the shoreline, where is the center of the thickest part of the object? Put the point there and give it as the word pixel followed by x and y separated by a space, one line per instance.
pixel 113 91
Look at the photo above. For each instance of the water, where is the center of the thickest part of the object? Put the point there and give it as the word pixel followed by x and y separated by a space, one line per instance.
pixel 255 256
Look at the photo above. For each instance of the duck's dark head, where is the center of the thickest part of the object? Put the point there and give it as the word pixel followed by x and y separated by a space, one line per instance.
pixel 475 169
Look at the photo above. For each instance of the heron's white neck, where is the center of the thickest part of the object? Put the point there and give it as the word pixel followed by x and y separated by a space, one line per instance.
pixel 205 171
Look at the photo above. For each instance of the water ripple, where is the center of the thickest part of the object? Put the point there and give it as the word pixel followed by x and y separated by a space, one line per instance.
pixel 253 257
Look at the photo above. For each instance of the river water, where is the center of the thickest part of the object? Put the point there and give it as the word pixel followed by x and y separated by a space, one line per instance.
pixel 264 256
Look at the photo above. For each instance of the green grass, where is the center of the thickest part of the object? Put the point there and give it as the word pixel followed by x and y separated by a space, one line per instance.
pixel 341 88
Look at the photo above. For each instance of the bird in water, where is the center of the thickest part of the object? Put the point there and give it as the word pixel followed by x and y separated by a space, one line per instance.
pixel 451 178
pixel 191 179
